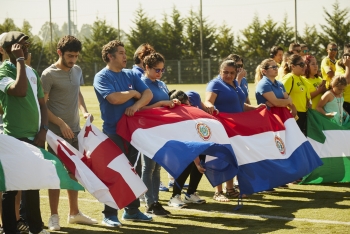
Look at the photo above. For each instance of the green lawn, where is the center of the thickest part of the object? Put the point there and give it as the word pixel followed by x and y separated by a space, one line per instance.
pixel 299 209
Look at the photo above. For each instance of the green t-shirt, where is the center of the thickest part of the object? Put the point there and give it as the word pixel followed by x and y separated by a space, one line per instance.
pixel 21 114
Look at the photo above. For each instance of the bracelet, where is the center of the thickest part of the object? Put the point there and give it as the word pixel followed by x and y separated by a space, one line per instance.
pixel 20 59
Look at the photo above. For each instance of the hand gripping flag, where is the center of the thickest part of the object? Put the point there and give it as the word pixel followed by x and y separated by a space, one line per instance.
pixel 110 164
pixel 175 137
pixel 270 148
pixel 331 142
pixel 26 167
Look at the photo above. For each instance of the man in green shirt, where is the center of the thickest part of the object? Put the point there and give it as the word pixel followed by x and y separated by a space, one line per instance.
pixel 25 118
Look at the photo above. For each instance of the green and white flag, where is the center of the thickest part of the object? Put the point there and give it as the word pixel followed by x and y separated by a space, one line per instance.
pixel 26 167
pixel 332 143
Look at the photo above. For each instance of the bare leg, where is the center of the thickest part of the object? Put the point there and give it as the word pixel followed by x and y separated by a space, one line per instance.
pixel 54 197
pixel 73 202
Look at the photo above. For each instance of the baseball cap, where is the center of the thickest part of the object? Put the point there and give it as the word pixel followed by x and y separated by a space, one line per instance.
pixel 11 38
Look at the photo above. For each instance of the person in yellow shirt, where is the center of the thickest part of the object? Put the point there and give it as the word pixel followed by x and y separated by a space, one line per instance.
pixel 294 48
pixel 342 67
pixel 295 86
pixel 328 64
pixel 313 82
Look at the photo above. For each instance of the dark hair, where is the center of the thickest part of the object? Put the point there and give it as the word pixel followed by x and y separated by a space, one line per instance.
pixel 234 57
pixel 69 43
pixel 345 53
pixel 227 63
pixel 142 51
pixel 110 48
pixel 292 46
pixel 303 45
pixel 274 50
pixel 293 59
pixel 153 59
pixel 307 62
pixel 181 95
pixel 338 80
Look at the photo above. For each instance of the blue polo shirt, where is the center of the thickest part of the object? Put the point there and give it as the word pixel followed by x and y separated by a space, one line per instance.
pixel 265 85
pixel 158 88
pixel 229 99
pixel 244 86
pixel 137 70
pixel 194 98
pixel 107 82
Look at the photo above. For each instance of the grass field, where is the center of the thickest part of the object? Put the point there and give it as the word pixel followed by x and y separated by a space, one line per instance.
pixel 299 209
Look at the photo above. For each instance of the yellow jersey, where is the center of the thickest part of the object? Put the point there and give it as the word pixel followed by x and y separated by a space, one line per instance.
pixel 327 65
pixel 312 84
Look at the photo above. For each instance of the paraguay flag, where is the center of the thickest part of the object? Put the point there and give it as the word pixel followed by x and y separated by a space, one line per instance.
pixel 270 148
pixel 175 137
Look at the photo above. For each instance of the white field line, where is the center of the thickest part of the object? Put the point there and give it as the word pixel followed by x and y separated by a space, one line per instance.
pixel 256 216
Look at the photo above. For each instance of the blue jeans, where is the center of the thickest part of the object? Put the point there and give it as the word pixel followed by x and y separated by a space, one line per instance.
pixel 151 178
pixel 131 153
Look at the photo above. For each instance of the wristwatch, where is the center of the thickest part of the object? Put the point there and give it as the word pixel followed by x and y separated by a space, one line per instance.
pixel 45 127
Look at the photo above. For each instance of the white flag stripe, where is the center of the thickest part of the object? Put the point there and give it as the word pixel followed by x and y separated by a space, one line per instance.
pixel 83 174
pixel 332 147
pixel 31 171
pixel 150 145
pixel 118 165
pixel 89 144
pixel 263 146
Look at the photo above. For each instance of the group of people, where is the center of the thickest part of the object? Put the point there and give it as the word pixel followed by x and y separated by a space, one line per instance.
pixel 33 104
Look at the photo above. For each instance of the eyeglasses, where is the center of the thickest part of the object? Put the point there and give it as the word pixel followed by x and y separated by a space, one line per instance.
pixel 157 70
pixel 302 64
pixel 306 51
pixel 333 49
pixel 273 67
pixel 239 65
pixel 227 72
pixel 298 51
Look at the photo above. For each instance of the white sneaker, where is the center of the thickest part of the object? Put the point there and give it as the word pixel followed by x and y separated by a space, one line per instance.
pixel 194 198
pixel 42 232
pixel 54 223
pixel 81 218
pixel 176 202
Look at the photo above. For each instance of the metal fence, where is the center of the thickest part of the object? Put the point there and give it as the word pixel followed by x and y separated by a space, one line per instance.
pixel 186 71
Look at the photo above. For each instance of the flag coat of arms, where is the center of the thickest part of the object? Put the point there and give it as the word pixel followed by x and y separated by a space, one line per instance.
pixel 270 148
pixel 110 164
pixel 331 142
pixel 26 167
pixel 175 137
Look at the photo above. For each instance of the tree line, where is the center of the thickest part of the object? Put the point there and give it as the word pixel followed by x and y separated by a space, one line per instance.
pixel 177 37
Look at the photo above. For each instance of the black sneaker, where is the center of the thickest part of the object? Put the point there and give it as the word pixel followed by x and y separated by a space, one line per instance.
pixel 156 210
pixel 22 226
pixel 161 207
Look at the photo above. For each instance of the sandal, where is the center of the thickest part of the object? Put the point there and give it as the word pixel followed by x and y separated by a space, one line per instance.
pixel 232 192
pixel 220 197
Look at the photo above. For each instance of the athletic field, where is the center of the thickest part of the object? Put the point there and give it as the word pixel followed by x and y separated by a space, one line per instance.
pixel 298 209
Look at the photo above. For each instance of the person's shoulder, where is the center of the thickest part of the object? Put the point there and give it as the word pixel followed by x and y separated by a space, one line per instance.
pixel 49 69
pixel 77 67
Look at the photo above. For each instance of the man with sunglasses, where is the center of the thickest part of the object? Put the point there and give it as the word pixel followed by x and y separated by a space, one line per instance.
pixel 328 64
pixel 304 50
pixel 25 118
pixel 294 48
pixel 120 91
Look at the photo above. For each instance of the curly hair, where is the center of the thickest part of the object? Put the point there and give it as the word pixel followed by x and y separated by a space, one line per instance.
pixel 142 51
pixel 110 48
pixel 338 80
pixel 307 62
pixel 153 59
pixel 293 59
pixel 69 43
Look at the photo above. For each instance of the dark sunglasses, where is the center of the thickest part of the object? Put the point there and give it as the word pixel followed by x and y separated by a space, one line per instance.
pixel 333 49
pixel 159 70
pixel 239 65
pixel 302 64
pixel 306 51
pixel 273 67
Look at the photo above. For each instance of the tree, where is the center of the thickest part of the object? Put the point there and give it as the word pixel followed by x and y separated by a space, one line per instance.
pixel 287 34
pixel 8 25
pixel 225 41
pixel 337 27
pixel 311 38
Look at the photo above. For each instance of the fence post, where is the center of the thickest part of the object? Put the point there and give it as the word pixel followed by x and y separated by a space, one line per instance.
pixel 179 71
pixel 95 67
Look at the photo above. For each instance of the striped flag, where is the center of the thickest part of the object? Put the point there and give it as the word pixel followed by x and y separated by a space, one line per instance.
pixel 331 142
pixel 175 137
pixel 270 148
pixel 26 167
pixel 110 165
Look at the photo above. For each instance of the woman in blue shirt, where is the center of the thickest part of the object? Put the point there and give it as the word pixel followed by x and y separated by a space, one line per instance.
pixel 154 68
pixel 224 94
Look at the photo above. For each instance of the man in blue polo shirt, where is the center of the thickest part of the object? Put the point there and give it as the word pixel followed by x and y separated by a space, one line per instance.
pixel 120 91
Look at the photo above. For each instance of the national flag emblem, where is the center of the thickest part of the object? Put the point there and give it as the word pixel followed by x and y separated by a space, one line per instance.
pixel 280 145
pixel 203 131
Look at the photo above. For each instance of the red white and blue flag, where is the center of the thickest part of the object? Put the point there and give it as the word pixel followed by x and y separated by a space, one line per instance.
pixel 175 137
pixel 269 147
